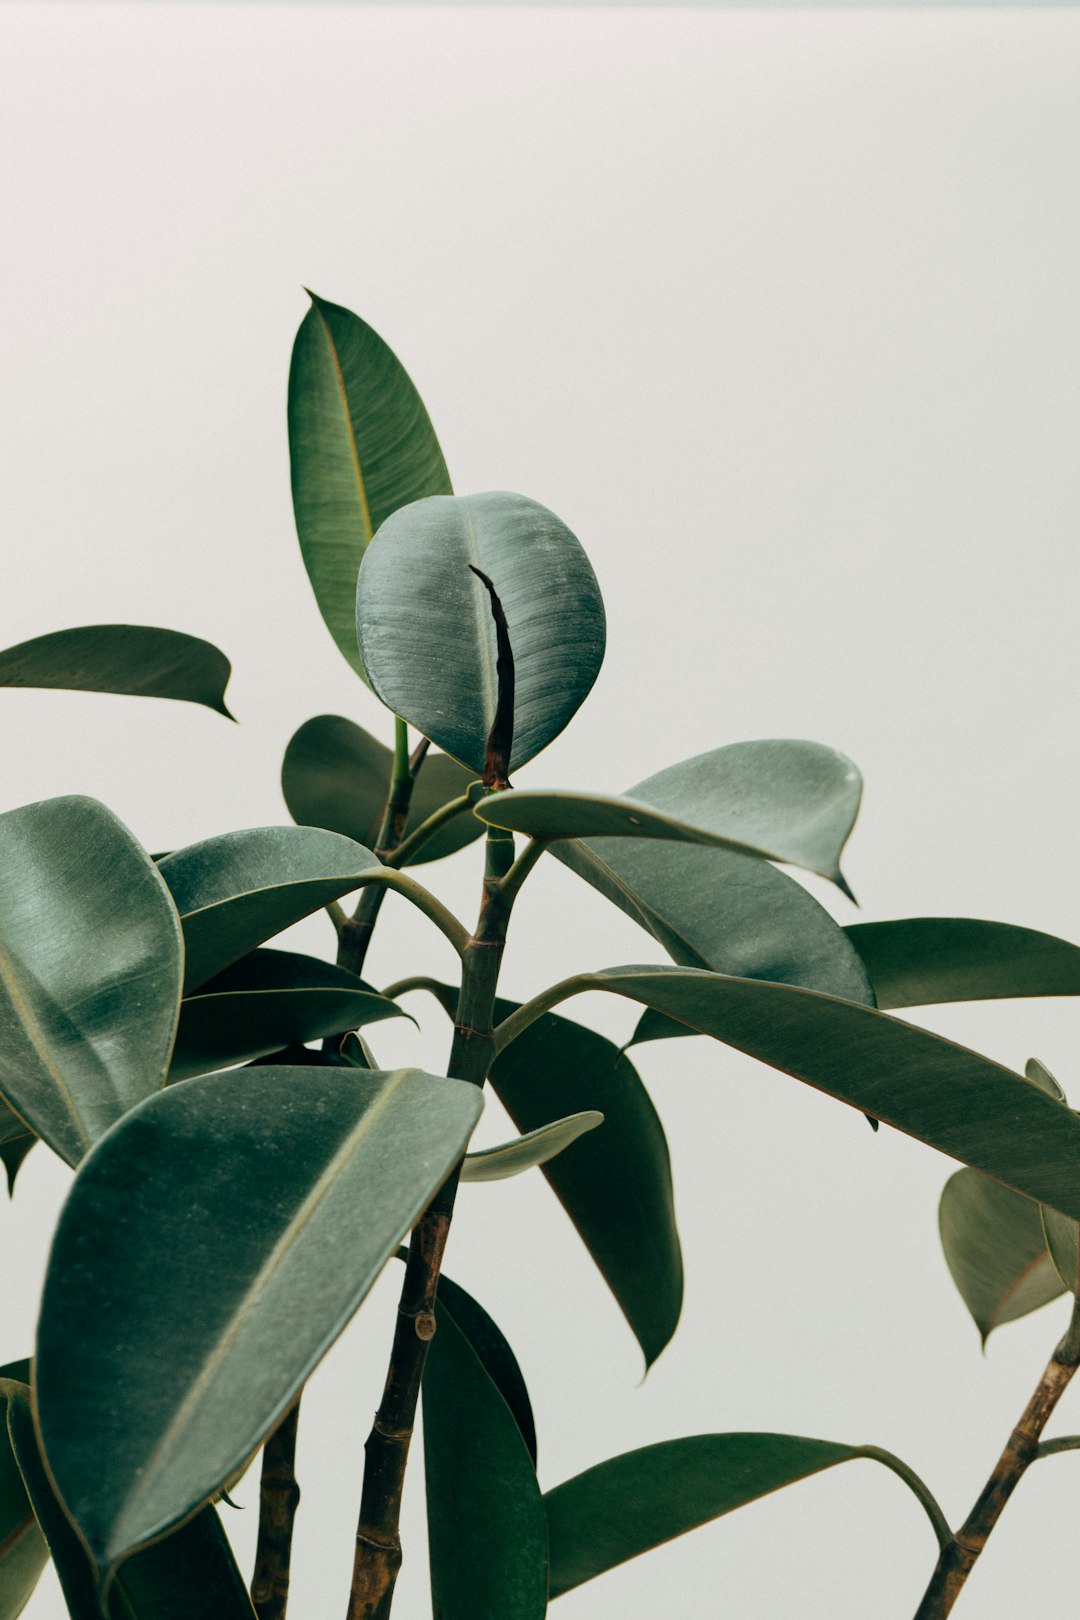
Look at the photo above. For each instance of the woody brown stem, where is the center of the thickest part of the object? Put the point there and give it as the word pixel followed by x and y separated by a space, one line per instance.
pixel 279 1495
pixel 958 1557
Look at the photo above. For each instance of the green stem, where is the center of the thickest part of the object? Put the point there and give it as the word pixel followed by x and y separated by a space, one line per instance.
pixel 427 830
pixel 1064 1442
pixel 401 987
pixel 917 1486
pixel 521 868
pixel 530 1011
pixel 354 933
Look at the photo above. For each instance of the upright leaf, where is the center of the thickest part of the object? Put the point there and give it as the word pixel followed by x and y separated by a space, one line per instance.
pixel 533 1148
pixel 210 1251
pixel 361 445
pixel 995 1250
pixel 922 961
pixel 90 965
pixel 23 1551
pixel 489 1343
pixel 426 632
pixel 137 659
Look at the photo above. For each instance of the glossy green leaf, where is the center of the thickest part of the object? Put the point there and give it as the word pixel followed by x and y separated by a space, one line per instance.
pixel 630 1504
pixel 995 1250
pixel 210 1251
pixel 360 444
pixel 784 800
pixel 266 1001
pixel 23 1552
pixel 15 1143
pixel 238 890
pixel 922 961
pixel 137 659
pixel 525 1152
pixel 487 1538
pixel 951 1098
pixel 192 1572
pixel 90 965
pixel 426 633
pixel 489 1343
pixel 335 775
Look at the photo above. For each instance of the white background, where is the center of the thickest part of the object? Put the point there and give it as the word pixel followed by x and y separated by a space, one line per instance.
pixel 778 310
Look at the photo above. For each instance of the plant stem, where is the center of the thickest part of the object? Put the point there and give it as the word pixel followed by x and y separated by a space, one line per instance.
pixel 958 1557
pixel 378 1541
pixel 427 830
pixel 279 1496
pixel 354 935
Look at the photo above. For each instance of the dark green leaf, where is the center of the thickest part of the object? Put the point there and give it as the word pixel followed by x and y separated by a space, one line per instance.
pixel 921 961
pixel 211 1250
pixel 1063 1243
pixel 787 801
pixel 137 659
pixel 15 1143
pixel 995 1250
pixel 335 775
pixel 426 632
pixel 235 891
pixel 496 1356
pixel 23 1553
pixel 525 1152
pixel 361 445
pixel 90 964
pixel 487 1538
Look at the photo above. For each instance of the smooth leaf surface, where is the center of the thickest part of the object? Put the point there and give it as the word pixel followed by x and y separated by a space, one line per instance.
pixel 210 1251
pixel 235 891
pixel 785 800
pixel 192 1572
pixel 360 445
pixel 489 1343
pixel 15 1143
pixel 266 1001
pixel 137 659
pixel 90 966
pixel 426 633
pixel 923 961
pixel 525 1152
pixel 336 775
pixel 487 1537
pixel 23 1552
pixel 949 1097
pixel 1063 1243
pixel 995 1250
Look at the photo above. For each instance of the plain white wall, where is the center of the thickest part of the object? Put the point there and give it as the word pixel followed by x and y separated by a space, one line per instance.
pixel 777 309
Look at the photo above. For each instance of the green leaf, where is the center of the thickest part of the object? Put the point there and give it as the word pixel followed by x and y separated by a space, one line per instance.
pixel 137 659
pixel 995 1250
pixel 496 1357
pixel 787 801
pixel 361 445
pixel 235 891
pixel 1063 1244
pixel 951 1098
pixel 1040 1076
pixel 525 1152
pixel 266 1001
pixel 922 961
pixel 23 1552
pixel 90 964
pixel 190 1572
pixel 630 1504
pixel 210 1251
pixel 335 775
pixel 426 633
pixel 615 1184
pixel 487 1539
pixel 15 1143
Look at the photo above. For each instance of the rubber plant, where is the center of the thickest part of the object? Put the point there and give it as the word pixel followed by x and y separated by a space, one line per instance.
pixel 244 1169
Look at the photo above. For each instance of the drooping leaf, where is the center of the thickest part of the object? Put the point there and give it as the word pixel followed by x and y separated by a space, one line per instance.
pixel 489 1343
pixel 629 1504
pixel 210 1251
pixel 426 633
pixel 1063 1243
pixel 137 659
pixel 191 1572
pixel 238 890
pixel 487 1538
pixel 784 800
pixel 947 1096
pixel 922 961
pixel 335 775
pixel 15 1143
pixel 266 1001
pixel 995 1249
pixel 361 445
pixel 23 1552
pixel 90 965
pixel 525 1152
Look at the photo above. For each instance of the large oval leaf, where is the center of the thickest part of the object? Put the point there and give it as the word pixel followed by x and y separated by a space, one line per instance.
pixel 235 891
pixel 995 1250
pixel 23 1550
pixel 921 961
pixel 360 444
pixel 210 1251
pixel 526 1152
pixel 487 1538
pixel 336 775
pixel 426 632
pixel 90 965
pixel 137 659
pixel 787 801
